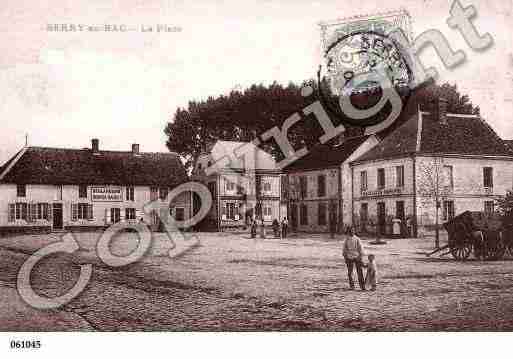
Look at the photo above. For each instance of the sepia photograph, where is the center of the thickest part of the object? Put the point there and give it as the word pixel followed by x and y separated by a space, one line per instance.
pixel 322 168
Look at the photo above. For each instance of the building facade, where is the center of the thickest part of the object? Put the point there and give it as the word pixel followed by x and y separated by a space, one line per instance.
pixel 434 163
pixel 45 189
pixel 245 184
pixel 320 185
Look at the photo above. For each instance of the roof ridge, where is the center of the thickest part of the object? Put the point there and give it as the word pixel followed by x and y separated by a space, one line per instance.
pixel 107 151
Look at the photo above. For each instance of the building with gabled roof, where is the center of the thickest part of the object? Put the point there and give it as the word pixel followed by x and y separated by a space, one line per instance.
pixel 319 185
pixel 453 162
pixel 44 188
pixel 245 184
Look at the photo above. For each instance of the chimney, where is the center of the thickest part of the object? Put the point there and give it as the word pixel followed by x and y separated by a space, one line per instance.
pixel 442 110
pixel 135 148
pixel 95 145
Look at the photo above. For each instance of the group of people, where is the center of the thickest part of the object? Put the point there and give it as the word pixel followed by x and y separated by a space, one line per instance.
pixel 278 228
pixel 353 255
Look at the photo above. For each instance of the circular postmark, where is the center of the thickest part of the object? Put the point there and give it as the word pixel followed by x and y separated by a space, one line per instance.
pixel 364 68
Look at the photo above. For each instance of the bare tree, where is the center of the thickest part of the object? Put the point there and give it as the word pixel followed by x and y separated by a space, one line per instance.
pixel 434 184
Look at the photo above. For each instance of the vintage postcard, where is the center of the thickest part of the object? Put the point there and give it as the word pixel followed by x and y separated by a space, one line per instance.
pixel 255 166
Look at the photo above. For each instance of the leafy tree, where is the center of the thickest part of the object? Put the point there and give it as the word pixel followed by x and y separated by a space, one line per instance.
pixel 244 115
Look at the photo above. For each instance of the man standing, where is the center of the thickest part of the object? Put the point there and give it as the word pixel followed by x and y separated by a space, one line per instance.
pixel 353 254
pixel 284 227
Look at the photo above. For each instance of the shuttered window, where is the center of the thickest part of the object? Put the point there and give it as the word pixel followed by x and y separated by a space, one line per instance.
pixel 303 187
pixel 322 214
pixel 21 211
pixel 163 193
pixel 363 181
pixel 74 211
pixel 130 193
pixel 154 193
pixel 21 190
pixel 32 212
pixel 82 191
pixel 321 186
pixel 12 212
pixel 381 178
pixel 488 177
pixel 303 214
pixel 130 213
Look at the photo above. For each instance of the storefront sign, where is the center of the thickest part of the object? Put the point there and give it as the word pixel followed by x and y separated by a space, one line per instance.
pixel 106 194
pixel 382 192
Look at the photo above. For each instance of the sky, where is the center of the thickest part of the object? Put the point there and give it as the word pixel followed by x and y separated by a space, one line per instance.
pixel 64 88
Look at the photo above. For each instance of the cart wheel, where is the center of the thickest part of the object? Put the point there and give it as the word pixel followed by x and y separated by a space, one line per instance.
pixel 496 252
pixel 461 252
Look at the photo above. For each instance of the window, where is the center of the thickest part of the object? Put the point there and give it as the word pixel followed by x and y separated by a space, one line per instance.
pixel 81 211
pixel 230 186
pixel 489 207
pixel 381 178
pixel 303 214
pixel 130 193
pixel 303 187
pixel 231 211
pixel 268 212
pixel 115 215
pixel 399 210
pixel 180 213
pixel 448 210
pixel 322 214
pixel 399 175
pixel 20 211
pixel 43 210
pixel 154 193
pixel 267 187
pixel 59 192
pixel 488 177
pixel 363 181
pixel 21 190
pixel 448 177
pixel 240 185
pixel 321 186
pixel 364 212
pixel 82 191
pixel 163 192
pixel 130 213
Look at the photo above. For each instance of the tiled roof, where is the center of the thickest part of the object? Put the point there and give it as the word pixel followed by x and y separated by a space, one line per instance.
pixel 421 133
pixel 41 165
pixel 327 155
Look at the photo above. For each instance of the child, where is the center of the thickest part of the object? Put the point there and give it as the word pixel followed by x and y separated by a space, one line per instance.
pixel 372 273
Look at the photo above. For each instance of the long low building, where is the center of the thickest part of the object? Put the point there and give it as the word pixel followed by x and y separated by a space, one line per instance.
pixel 45 189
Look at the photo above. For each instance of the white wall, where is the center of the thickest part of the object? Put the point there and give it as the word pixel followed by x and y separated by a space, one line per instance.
pixel 49 194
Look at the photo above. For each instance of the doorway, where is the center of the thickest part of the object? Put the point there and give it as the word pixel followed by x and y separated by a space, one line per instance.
pixel 293 216
pixel 57 216
pixel 381 217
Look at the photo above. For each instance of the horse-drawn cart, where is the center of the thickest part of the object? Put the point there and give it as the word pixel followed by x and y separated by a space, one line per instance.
pixel 481 233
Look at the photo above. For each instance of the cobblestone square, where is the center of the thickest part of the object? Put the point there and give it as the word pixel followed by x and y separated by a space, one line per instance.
pixel 232 282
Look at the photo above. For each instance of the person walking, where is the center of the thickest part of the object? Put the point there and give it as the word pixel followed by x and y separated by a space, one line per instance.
pixel 253 228
pixel 353 255
pixel 284 227
pixel 262 229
